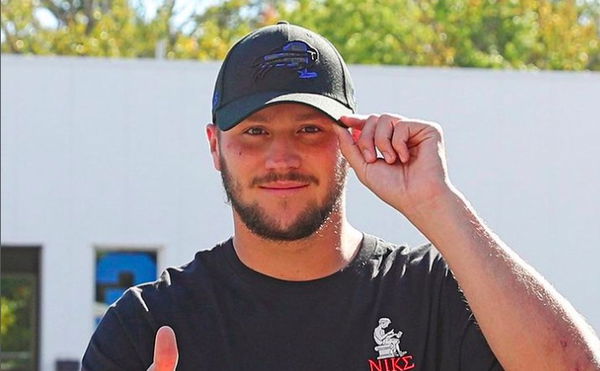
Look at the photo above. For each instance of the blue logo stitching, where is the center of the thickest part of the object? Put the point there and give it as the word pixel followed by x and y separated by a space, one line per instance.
pixel 295 55
pixel 215 101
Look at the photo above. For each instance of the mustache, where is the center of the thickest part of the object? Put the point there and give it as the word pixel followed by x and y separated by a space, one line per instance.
pixel 276 177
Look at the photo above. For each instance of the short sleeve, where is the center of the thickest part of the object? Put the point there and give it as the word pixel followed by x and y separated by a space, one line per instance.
pixel 123 340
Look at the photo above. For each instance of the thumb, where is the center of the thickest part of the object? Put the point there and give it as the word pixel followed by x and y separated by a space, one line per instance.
pixel 165 350
pixel 349 148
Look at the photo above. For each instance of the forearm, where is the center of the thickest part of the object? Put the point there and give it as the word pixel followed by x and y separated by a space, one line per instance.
pixel 526 322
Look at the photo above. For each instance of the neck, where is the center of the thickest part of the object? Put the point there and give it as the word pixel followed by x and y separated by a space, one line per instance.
pixel 323 253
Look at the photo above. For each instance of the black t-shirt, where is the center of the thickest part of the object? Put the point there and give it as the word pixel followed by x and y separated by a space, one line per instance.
pixel 391 309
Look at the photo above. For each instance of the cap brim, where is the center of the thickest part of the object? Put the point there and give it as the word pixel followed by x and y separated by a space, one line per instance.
pixel 231 114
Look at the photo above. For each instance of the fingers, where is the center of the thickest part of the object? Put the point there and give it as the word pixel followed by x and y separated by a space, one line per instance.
pixel 349 148
pixel 366 126
pixel 399 141
pixel 383 136
pixel 166 354
pixel 387 133
pixel 354 121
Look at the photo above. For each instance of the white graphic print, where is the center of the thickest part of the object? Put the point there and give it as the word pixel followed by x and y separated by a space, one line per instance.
pixel 388 343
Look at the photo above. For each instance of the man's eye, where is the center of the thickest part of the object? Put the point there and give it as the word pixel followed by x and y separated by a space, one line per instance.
pixel 255 131
pixel 311 129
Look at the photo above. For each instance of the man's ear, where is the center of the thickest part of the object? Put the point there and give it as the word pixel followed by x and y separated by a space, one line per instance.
pixel 212 134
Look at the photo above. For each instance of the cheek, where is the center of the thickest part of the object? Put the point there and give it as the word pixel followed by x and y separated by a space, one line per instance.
pixel 326 162
pixel 241 158
pixel 236 150
pixel 236 145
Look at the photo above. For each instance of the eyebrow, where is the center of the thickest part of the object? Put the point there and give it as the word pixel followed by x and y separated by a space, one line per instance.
pixel 261 117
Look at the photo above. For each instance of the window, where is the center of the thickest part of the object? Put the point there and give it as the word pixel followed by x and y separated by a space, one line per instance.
pixel 19 326
pixel 117 270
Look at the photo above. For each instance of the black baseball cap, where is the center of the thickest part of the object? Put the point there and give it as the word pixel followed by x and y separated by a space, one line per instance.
pixel 281 63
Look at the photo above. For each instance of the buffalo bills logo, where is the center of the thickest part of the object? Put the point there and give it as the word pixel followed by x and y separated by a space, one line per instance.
pixel 295 55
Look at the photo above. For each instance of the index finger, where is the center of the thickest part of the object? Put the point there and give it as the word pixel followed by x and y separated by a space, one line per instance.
pixel 355 121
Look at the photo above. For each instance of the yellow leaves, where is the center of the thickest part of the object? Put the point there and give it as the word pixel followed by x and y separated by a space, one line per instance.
pixel 567 43
pixel 80 49
pixel 189 45
pixel 8 316
pixel 474 3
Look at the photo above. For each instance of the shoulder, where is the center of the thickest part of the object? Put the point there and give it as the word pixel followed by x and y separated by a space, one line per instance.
pixel 423 259
pixel 423 272
pixel 124 338
pixel 423 267
pixel 175 285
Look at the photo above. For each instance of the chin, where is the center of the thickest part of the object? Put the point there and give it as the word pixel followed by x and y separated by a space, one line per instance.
pixel 285 224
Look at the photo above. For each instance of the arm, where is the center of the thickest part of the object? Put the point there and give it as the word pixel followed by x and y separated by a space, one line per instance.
pixel 525 321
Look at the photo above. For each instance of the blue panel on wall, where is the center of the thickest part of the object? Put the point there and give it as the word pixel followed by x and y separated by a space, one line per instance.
pixel 111 295
pixel 116 271
pixel 112 264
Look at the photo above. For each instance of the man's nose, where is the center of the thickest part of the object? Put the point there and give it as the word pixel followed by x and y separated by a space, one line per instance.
pixel 282 155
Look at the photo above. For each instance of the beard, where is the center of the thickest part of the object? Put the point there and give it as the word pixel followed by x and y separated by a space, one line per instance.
pixel 310 220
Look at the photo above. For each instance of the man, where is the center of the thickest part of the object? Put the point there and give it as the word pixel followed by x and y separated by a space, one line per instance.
pixel 297 287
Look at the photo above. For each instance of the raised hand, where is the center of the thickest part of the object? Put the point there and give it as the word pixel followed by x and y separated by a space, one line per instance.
pixel 166 354
pixel 413 169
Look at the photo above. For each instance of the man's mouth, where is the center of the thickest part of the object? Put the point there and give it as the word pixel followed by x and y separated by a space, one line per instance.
pixel 283 186
pixel 284 181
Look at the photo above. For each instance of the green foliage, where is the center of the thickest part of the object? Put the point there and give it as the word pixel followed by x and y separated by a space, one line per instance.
pixel 544 34
pixel 84 28
pixel 467 33
pixel 7 314
pixel 17 327
pixel 17 304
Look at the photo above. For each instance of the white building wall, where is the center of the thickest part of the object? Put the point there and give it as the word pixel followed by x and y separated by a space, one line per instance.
pixel 104 153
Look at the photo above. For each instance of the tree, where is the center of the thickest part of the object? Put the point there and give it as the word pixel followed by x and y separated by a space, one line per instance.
pixel 544 34
pixel 84 27
pixel 467 33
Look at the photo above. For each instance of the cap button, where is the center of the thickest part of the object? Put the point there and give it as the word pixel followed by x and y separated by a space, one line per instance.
pixel 283 22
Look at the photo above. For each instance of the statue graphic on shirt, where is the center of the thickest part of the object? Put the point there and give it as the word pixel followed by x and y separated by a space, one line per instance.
pixel 388 343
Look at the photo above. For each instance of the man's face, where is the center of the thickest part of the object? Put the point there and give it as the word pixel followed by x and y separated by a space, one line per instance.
pixel 282 171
